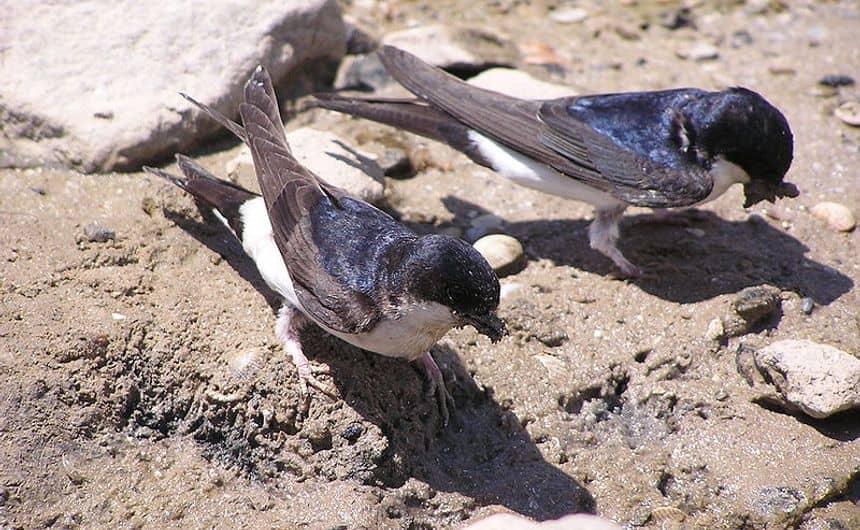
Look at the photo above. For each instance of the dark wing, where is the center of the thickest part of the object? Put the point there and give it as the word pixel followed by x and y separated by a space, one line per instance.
pixel 302 208
pixel 545 132
pixel 639 143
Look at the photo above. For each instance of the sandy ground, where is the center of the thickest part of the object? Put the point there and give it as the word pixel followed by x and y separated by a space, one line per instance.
pixel 122 407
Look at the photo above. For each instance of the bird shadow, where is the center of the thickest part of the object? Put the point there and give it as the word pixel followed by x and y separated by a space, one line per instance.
pixel 708 258
pixel 484 453
pixel 216 238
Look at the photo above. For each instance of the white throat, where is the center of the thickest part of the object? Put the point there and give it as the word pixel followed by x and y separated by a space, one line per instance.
pixel 724 174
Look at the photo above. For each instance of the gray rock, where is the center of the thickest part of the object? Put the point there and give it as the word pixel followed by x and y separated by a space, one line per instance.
pixel 361 72
pixel 329 157
pixel 96 233
pixel 519 84
pixel 93 85
pixel 751 307
pixel 462 49
pixel 818 379
pixel 504 253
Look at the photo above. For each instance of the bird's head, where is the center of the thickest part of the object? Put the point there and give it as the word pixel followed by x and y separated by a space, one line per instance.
pixel 743 128
pixel 449 271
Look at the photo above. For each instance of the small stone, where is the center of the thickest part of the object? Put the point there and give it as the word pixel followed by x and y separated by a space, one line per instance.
pixel 781 69
pixel 504 253
pixel 836 80
pixel 118 316
pixel 553 338
pixel 519 84
pixel 96 233
pixel 353 432
pixel 849 113
pixel 755 304
pixel 751 307
pixel 677 19
pixel 700 51
pixel 627 32
pixel 807 305
pixel 716 331
pixel 818 379
pixel 837 216
pixel 571 15
pixel 740 39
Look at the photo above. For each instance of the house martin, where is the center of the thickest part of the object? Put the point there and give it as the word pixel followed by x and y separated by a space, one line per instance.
pixel 662 149
pixel 336 260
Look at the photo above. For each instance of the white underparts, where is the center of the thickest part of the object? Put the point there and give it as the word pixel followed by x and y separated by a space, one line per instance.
pixel 531 174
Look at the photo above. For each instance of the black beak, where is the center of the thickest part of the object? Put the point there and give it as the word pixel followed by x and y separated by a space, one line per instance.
pixel 488 324
pixel 758 190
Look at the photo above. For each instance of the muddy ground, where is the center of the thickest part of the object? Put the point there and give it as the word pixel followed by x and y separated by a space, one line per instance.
pixel 122 405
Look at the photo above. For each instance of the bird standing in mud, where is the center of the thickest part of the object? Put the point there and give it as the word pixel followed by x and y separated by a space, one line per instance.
pixel 660 149
pixel 336 260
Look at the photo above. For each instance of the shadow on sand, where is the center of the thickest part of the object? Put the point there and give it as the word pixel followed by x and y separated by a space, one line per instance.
pixel 721 257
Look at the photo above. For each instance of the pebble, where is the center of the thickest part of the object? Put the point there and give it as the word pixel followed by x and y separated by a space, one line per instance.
pixel 677 19
pixel 244 364
pixel 570 15
pixel 504 253
pixel 700 51
pixel 741 38
pixel 807 305
pixel 836 80
pixel 752 306
pixel 849 113
pixel 716 331
pixel 837 216
pixel 96 233
pixel 818 379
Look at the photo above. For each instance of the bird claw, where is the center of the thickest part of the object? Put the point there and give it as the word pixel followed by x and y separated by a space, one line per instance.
pixel 438 390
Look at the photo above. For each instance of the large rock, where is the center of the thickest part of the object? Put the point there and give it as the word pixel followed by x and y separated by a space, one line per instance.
pixel 818 379
pixel 461 49
pixel 93 84
pixel 331 158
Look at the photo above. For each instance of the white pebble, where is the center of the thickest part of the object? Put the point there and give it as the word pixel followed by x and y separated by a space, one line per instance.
pixel 500 250
pixel 837 216
pixel 849 113
pixel 569 16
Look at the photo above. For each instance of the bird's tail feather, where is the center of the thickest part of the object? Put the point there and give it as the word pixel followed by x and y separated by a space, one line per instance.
pixel 408 114
pixel 220 195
